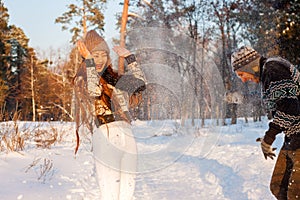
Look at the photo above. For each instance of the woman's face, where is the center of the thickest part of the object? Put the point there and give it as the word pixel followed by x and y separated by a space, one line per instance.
pixel 100 59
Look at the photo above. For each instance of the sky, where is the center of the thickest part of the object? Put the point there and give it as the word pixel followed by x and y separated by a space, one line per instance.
pixel 36 18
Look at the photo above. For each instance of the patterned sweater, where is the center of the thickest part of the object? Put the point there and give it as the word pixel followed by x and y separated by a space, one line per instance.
pixel 110 102
pixel 281 94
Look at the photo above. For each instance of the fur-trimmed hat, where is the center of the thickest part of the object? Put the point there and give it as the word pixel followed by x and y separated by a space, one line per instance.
pixel 245 59
pixel 94 42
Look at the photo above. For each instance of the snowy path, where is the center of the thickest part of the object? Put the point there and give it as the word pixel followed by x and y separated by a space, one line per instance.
pixel 233 169
pixel 208 178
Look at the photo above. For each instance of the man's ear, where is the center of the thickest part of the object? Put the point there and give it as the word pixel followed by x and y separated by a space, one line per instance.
pixel 255 69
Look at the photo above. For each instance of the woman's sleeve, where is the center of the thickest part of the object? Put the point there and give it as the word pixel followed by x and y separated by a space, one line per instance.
pixel 134 81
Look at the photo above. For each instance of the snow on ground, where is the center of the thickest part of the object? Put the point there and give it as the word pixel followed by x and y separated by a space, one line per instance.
pixel 174 163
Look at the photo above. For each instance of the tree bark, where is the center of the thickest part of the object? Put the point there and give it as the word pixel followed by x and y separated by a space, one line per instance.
pixel 32 90
pixel 123 34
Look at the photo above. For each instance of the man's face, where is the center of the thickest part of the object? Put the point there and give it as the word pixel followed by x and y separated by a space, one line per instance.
pixel 100 58
pixel 245 76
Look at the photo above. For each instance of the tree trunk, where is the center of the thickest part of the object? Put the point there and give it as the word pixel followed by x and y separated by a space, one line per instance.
pixel 32 90
pixel 123 34
pixel 84 19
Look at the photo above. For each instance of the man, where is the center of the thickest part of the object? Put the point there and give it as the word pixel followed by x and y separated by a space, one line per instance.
pixel 281 93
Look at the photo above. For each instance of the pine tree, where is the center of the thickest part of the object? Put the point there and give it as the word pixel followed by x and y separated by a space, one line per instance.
pixel 15 59
pixel 288 29
pixel 3 57
pixel 86 14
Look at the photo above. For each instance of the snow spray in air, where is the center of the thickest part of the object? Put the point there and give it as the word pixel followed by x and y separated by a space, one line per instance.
pixel 181 105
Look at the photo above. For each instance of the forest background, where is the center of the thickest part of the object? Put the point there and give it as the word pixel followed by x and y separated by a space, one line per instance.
pixel 40 88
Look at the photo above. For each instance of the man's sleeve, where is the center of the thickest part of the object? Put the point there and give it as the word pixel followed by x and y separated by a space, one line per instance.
pixel 283 94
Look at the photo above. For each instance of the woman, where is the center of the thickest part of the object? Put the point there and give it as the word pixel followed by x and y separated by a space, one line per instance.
pixel 114 145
